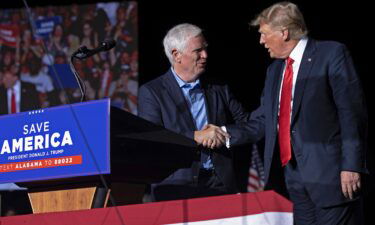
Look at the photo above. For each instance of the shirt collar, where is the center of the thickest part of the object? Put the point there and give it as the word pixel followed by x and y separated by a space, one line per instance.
pixel 16 87
pixel 297 52
pixel 182 83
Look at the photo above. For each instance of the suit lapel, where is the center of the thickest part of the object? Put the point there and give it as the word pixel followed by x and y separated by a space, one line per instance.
pixel 3 101
pixel 22 96
pixel 275 91
pixel 211 102
pixel 303 73
pixel 178 98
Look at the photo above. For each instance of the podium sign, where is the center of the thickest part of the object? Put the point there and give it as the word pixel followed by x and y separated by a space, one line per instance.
pixel 56 142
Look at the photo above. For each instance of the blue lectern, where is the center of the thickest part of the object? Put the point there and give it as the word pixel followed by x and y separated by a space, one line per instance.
pixel 63 154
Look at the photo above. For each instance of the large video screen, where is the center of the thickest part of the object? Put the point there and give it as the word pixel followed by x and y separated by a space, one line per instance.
pixel 40 53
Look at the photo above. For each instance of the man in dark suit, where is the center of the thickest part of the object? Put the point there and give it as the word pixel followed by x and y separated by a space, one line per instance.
pixel 183 102
pixel 314 120
pixel 17 96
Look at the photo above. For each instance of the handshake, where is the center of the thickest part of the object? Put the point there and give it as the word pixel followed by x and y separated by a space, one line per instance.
pixel 211 136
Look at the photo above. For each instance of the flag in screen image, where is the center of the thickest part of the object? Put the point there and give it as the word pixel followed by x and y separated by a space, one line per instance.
pixel 256 172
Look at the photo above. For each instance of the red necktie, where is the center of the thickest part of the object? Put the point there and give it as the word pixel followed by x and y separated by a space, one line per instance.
pixel 284 114
pixel 13 108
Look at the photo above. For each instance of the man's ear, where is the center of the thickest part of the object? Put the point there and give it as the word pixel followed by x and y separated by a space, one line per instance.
pixel 176 55
pixel 286 35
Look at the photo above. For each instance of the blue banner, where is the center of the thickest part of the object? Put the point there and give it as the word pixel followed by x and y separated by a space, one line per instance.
pixel 67 79
pixel 45 26
pixel 57 142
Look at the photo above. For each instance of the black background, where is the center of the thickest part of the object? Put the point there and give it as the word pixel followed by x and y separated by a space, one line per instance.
pixel 235 55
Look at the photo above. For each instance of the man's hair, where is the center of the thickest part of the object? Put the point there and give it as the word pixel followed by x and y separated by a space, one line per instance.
pixel 177 38
pixel 285 15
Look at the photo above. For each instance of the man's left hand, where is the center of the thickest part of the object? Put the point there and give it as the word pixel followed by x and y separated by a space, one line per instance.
pixel 350 183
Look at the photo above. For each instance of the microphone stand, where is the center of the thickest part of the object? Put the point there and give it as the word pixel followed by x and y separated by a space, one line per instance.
pixel 80 83
pixel 80 54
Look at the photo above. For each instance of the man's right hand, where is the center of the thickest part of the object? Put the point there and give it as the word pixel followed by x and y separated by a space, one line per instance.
pixel 211 136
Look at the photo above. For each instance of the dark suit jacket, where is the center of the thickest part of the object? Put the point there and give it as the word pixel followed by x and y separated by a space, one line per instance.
pixel 328 124
pixel 29 98
pixel 161 101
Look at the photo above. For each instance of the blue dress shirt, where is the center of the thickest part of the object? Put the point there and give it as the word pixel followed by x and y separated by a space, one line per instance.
pixel 194 96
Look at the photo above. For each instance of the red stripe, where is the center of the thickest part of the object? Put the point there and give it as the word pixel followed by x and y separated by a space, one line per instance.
pixel 253 186
pixel 41 163
pixel 254 176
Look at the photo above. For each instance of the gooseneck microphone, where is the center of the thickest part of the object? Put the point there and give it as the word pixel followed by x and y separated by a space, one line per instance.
pixel 83 52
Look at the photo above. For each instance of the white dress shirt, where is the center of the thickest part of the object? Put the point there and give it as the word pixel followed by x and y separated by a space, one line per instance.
pixel 17 91
pixel 296 55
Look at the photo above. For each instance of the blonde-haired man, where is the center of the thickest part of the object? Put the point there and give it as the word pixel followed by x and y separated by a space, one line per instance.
pixel 314 120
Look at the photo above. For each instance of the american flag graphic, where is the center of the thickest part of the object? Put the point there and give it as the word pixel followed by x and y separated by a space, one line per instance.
pixel 256 171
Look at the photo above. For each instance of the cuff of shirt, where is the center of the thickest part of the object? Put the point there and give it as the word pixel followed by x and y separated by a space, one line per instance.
pixel 227 140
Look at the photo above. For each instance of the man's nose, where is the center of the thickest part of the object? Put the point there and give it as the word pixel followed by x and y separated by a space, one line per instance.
pixel 261 40
pixel 204 54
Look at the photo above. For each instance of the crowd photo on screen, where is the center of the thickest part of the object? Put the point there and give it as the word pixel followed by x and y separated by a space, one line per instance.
pixel 40 53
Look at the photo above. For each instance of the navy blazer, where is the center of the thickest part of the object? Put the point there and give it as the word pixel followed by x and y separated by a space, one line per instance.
pixel 328 124
pixel 162 102
pixel 29 98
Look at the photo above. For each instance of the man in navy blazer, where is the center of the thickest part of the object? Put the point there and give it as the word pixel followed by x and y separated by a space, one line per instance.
pixel 26 94
pixel 186 103
pixel 314 120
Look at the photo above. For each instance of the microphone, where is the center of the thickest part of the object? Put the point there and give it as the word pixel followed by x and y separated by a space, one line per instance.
pixel 83 52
